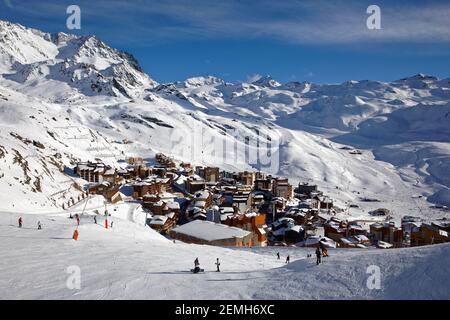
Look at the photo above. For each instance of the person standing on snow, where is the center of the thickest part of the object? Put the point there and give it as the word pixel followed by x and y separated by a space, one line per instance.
pixel 95 219
pixel 20 222
pixel 319 256
pixel 278 255
pixel 288 259
pixel 324 249
pixel 39 225
pixel 218 265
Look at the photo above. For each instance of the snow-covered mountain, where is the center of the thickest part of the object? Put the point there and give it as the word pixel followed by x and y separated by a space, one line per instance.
pixel 85 64
pixel 65 97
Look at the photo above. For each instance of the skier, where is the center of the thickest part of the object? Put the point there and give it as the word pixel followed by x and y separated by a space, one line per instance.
pixel 78 219
pixel 278 255
pixel 288 259
pixel 218 265
pixel 112 222
pixel 39 225
pixel 318 255
pixel 95 219
pixel 20 222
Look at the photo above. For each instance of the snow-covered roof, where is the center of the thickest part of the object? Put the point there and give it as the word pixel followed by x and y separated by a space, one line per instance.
pixel 384 245
pixel 224 210
pixel 200 204
pixel 349 240
pixel 196 210
pixel 210 231
pixel 110 172
pixel 361 238
pixel 170 215
pixel 173 205
pixel 295 228
pixel 204 194
pixel 158 220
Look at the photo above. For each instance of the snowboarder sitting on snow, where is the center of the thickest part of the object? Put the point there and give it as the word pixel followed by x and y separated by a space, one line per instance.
pixel 197 266
pixel 39 225
pixel 218 265
pixel 20 222
pixel 318 255
pixel 288 259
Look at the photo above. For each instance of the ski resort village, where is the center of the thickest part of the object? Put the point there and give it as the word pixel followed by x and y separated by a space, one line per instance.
pixel 204 205
pixel 116 186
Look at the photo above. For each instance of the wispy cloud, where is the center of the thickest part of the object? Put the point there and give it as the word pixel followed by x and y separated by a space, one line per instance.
pixel 305 22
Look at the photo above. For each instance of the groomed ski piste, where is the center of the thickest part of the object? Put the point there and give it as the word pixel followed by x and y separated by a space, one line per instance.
pixel 131 261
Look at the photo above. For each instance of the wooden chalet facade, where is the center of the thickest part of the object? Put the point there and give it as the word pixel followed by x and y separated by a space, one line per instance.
pixel 251 222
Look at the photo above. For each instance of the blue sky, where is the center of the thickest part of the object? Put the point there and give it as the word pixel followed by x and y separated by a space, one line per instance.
pixel 317 41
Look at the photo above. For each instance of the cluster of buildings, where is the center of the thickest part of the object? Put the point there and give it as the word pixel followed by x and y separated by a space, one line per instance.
pixel 205 205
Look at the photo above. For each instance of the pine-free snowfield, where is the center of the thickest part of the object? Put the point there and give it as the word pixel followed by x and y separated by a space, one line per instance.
pixel 131 261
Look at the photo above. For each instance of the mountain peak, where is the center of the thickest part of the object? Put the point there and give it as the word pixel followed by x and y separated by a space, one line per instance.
pixel 85 63
pixel 420 76
pixel 266 81
pixel 203 80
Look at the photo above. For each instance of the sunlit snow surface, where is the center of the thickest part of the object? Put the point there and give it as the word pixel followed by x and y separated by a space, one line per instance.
pixel 131 261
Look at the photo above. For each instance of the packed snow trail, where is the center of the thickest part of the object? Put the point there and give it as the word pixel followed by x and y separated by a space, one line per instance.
pixel 131 261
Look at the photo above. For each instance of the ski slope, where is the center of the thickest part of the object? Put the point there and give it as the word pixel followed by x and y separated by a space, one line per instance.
pixel 131 261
